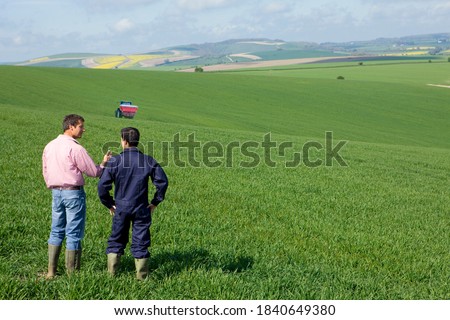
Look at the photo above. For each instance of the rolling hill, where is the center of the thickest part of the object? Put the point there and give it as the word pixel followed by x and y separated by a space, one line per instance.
pixel 248 51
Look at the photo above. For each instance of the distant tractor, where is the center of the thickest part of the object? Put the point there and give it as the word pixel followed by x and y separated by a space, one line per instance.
pixel 126 109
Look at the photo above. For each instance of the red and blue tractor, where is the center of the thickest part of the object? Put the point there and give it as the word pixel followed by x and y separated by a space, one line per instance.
pixel 126 109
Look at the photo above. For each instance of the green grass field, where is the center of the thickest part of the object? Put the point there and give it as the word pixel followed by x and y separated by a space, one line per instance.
pixel 375 229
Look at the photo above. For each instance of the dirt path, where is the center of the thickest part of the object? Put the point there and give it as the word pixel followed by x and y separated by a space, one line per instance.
pixel 246 55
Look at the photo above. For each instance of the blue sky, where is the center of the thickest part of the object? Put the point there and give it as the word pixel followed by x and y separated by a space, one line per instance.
pixel 35 28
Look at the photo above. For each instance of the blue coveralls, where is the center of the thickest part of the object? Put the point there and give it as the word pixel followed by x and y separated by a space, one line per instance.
pixel 130 172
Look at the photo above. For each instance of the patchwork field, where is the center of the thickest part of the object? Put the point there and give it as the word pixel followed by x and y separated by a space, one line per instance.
pixel 250 223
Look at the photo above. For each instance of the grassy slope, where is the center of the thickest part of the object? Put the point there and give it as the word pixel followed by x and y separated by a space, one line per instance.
pixel 72 63
pixel 377 229
pixel 411 72
pixel 364 109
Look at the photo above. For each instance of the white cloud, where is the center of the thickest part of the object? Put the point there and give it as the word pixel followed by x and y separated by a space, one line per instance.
pixel 123 25
pixel 199 5
pixel 275 7
pixel 416 16
pixel 17 40
pixel 115 3
pixel 112 6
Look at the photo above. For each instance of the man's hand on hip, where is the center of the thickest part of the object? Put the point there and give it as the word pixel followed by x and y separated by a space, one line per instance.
pixel 152 208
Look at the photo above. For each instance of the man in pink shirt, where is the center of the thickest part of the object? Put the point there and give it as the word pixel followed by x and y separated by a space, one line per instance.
pixel 64 161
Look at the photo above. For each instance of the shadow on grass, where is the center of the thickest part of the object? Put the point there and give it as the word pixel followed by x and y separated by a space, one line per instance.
pixel 170 263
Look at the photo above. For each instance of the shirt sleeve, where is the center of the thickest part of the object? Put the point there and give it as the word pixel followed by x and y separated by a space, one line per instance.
pixel 44 167
pixel 85 163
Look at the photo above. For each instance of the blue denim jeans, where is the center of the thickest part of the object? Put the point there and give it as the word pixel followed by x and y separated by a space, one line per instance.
pixel 68 218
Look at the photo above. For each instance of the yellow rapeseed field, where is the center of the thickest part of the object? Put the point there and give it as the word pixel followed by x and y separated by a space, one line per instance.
pixel 39 59
pixel 408 53
pixel 124 61
pixel 135 59
pixel 420 48
pixel 417 53
pixel 109 62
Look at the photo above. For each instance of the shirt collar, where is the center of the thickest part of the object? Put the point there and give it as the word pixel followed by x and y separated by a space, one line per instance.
pixel 131 149
pixel 65 136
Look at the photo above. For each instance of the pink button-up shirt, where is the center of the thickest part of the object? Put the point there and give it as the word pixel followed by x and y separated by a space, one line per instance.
pixel 64 161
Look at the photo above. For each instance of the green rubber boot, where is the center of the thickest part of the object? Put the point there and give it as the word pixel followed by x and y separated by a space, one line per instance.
pixel 141 268
pixel 113 263
pixel 73 260
pixel 53 256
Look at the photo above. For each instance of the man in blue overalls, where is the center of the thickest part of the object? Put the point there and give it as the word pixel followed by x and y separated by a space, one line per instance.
pixel 130 172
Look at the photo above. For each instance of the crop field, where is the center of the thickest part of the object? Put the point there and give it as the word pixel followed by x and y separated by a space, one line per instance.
pixel 124 61
pixel 368 219
pixel 418 73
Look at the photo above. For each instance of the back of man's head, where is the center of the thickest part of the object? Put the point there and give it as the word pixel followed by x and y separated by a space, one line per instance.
pixel 130 135
pixel 71 120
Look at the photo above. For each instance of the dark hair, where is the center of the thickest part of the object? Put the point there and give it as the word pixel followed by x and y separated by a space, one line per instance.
pixel 71 120
pixel 130 135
